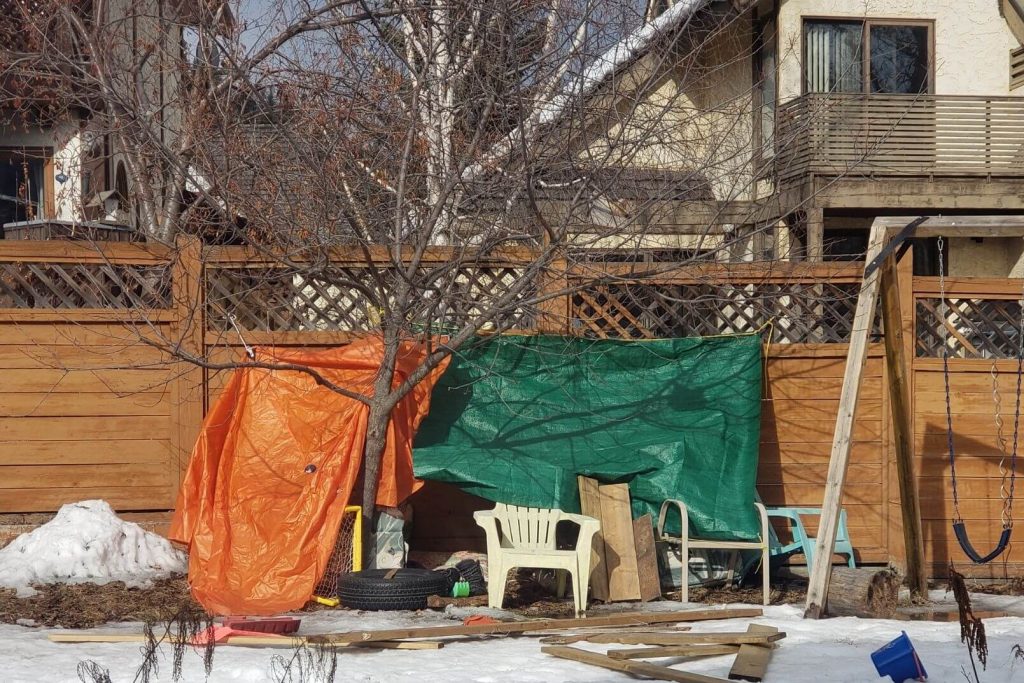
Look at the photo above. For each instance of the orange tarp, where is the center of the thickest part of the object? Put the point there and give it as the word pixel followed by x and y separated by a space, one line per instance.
pixel 260 528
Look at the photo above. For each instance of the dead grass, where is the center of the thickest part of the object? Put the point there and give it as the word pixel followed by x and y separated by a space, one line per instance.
pixel 86 605
pixel 1014 586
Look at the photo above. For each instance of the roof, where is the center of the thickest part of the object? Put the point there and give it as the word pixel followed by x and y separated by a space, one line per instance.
pixel 616 59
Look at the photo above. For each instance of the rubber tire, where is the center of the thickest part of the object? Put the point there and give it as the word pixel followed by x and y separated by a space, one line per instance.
pixel 408 589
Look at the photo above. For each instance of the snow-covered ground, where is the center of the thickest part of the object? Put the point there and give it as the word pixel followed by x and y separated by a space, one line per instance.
pixel 833 650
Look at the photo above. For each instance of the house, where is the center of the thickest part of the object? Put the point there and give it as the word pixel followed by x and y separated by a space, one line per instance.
pixel 809 119
pixel 56 166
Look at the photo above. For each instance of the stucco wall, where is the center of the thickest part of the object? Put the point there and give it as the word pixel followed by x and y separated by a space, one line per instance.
pixel 992 257
pixel 972 40
pixel 695 118
pixel 66 143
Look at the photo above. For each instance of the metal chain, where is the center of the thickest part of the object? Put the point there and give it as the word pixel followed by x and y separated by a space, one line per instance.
pixel 997 401
pixel 944 312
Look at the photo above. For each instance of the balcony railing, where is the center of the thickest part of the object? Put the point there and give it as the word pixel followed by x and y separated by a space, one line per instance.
pixel 899 135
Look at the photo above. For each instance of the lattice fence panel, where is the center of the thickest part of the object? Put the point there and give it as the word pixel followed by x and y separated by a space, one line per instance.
pixel 342 298
pixel 84 285
pixel 970 328
pixel 800 312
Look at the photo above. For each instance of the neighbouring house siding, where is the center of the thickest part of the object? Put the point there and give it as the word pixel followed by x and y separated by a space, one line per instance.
pixel 66 143
pixel 972 40
pixel 695 118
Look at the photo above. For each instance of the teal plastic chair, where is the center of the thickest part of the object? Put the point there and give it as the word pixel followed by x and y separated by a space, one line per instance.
pixel 802 543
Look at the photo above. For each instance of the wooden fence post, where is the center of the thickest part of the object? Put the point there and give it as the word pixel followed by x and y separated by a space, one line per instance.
pixel 188 391
pixel 553 314
pixel 899 405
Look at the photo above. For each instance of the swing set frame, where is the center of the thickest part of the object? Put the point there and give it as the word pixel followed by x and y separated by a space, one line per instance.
pixel 887 235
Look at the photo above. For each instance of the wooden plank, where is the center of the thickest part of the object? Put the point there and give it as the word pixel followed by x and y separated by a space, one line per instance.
pixel 85 381
pixel 619 544
pixel 536 625
pixel 773 473
pixel 28 477
pixel 798 388
pixel 691 651
pixel 960 226
pixel 83 428
pixel 60 251
pixel 646 559
pixel 656 638
pixel 71 357
pixel 125 316
pixel 863 319
pixel 91 405
pixel 660 673
pixel 590 505
pixel 752 661
pixel 119 497
pixel 244 641
pixel 791 430
pixel 28 334
pixel 817 453
pixel 900 407
pixel 86 452
pixel 817 408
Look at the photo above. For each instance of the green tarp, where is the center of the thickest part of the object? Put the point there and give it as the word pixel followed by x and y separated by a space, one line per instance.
pixel 515 419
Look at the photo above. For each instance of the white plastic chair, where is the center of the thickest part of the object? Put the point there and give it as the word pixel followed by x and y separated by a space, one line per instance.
pixel 686 543
pixel 525 537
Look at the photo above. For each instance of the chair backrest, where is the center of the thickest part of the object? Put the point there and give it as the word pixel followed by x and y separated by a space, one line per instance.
pixel 527 527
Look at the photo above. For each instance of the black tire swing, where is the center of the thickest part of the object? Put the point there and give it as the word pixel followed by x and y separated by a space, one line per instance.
pixel 959 527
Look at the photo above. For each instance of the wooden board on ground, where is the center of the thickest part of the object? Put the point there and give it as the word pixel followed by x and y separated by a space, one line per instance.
pixel 676 651
pixel 535 625
pixel 580 635
pixel 626 638
pixel 619 543
pixel 660 673
pixel 648 579
pixel 590 505
pixel 752 661
pixel 246 641
pixel 863 592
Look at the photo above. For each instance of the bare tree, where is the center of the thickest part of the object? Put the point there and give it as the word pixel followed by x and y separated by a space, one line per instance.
pixel 563 132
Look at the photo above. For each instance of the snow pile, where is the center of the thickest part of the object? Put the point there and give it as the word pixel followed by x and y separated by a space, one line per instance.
pixel 87 543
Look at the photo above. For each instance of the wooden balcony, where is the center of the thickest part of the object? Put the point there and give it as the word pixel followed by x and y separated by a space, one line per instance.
pixel 922 136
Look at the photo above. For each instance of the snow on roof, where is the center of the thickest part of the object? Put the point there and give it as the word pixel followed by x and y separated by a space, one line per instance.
pixel 621 55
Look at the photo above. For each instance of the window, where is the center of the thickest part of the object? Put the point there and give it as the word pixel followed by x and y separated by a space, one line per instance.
pixel 857 56
pixel 23 185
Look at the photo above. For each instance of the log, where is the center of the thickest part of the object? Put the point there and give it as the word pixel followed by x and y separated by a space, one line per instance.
pixel 863 592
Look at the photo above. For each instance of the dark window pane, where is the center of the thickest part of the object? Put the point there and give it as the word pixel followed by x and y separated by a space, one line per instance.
pixel 21 188
pixel 899 59
pixel 834 58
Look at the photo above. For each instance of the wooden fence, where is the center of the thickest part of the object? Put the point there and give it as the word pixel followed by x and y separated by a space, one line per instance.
pixel 91 408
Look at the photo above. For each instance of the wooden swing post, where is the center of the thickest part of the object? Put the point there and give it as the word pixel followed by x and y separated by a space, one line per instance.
pixel 880 272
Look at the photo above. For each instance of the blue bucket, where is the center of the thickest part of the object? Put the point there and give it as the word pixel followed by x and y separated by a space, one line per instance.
pixel 899 661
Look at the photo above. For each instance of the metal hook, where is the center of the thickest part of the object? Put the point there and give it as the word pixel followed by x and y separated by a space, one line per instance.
pixel 248 349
